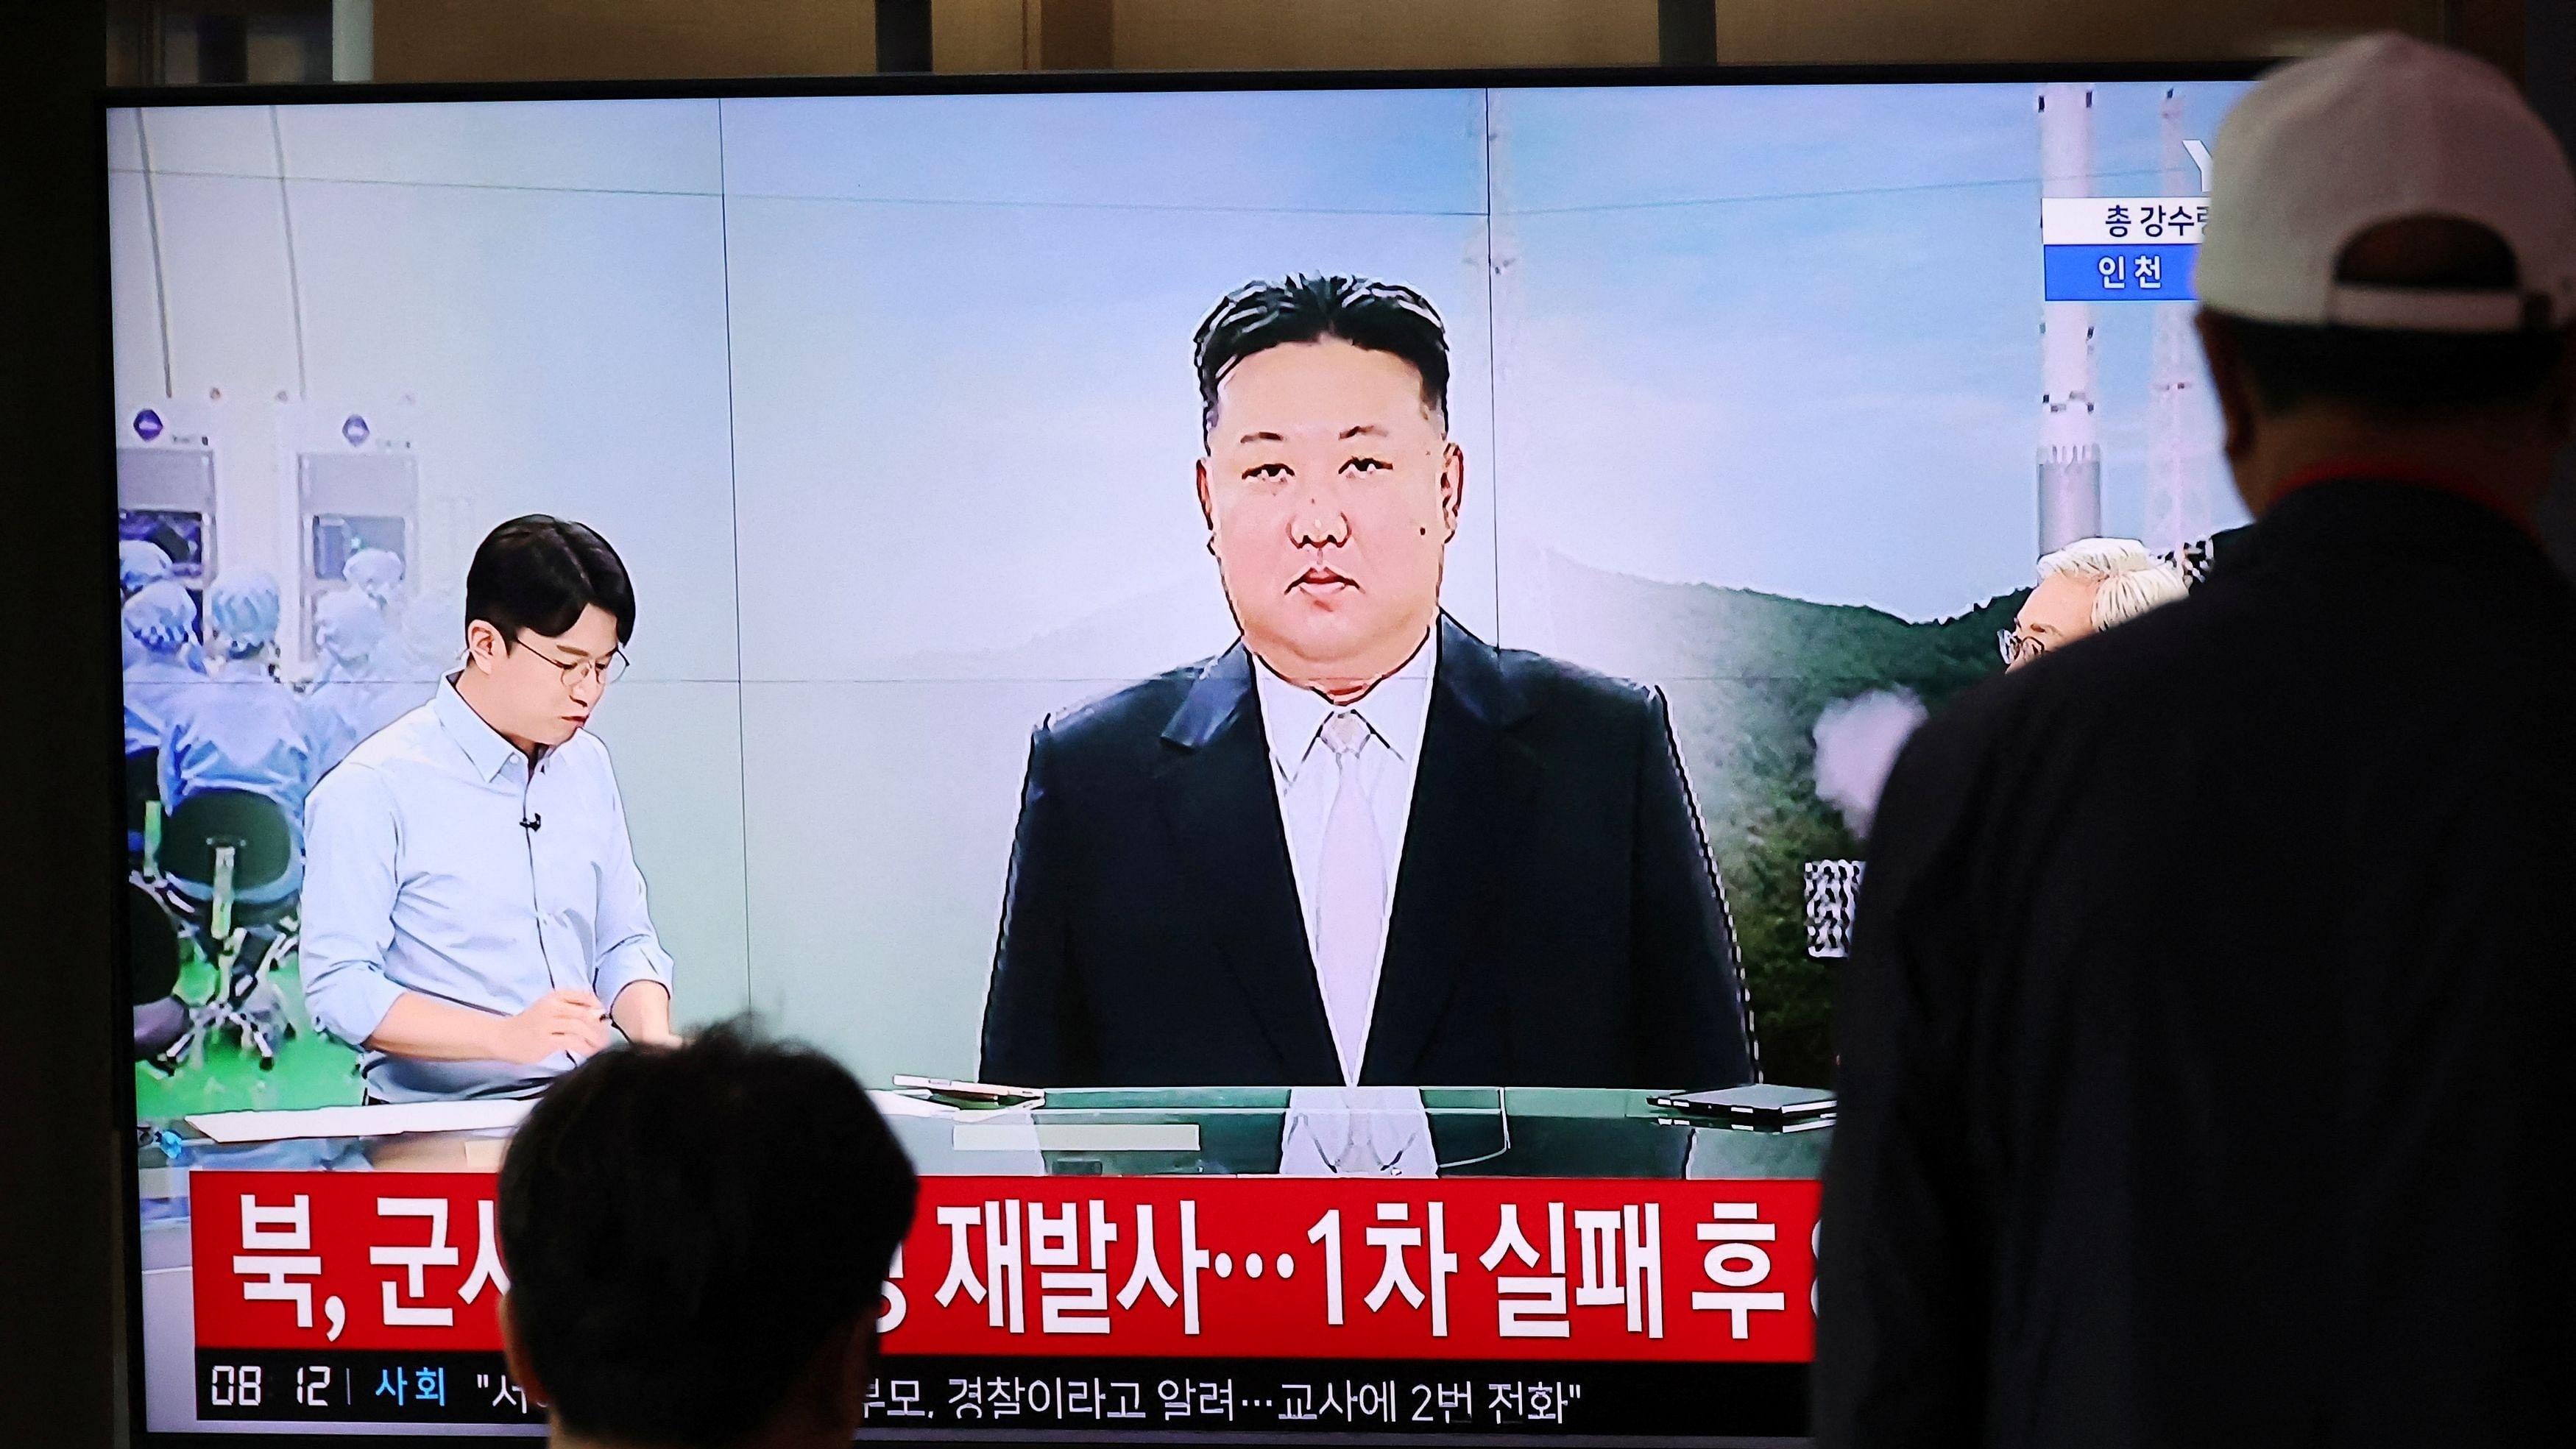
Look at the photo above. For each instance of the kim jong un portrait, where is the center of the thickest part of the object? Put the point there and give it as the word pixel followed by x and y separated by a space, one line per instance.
pixel 1360 845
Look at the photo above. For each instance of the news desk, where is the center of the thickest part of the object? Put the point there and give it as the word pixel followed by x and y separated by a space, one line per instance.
pixel 1475 1131
pixel 1128 1132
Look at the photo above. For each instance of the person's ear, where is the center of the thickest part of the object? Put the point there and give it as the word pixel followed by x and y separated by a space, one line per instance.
pixel 2230 384
pixel 514 1352
pixel 484 645
pixel 1207 505
pixel 1453 488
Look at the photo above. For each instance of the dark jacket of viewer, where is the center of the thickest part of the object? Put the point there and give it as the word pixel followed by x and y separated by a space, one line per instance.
pixel 2206 1075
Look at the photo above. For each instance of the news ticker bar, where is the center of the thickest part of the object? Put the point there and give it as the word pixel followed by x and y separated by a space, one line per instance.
pixel 1392 1270
pixel 1113 1398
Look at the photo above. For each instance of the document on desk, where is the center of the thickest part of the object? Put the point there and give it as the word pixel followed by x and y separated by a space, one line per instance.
pixel 904 1104
pixel 386 1119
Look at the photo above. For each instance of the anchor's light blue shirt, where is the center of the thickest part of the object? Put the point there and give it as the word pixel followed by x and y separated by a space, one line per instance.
pixel 419 877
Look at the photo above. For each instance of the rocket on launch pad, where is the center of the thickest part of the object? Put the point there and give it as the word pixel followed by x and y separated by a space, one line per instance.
pixel 2070 445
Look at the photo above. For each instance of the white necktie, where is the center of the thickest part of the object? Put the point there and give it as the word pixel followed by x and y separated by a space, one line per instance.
pixel 1352 911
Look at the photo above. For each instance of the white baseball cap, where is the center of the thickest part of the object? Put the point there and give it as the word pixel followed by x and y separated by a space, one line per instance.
pixel 2376 130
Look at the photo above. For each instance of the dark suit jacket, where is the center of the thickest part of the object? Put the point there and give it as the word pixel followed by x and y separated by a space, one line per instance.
pixel 1556 921
pixel 2204 1043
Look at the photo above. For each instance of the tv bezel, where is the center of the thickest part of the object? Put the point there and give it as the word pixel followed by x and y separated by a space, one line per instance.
pixel 1009 83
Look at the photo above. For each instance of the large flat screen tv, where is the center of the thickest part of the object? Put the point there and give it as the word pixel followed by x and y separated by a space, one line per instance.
pixel 1343 634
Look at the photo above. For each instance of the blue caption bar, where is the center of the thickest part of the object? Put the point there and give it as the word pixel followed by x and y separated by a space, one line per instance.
pixel 2120 273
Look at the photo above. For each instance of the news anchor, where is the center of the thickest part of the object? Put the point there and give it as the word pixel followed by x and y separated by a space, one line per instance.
pixel 473 918
pixel 1361 846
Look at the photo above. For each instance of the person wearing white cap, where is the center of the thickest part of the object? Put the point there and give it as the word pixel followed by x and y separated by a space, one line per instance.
pixel 139 565
pixel 238 728
pixel 418 644
pixel 353 694
pixel 160 623
pixel 2202 1042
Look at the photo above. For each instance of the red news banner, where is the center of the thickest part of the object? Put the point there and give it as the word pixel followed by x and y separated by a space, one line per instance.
pixel 1457 1268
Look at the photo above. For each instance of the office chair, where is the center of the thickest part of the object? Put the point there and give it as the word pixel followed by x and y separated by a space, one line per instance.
pixel 229 867
pixel 152 958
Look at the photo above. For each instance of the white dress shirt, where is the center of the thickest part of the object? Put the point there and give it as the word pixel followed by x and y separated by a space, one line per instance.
pixel 420 877
pixel 1397 709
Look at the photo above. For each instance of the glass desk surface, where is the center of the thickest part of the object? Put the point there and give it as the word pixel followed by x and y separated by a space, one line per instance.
pixel 1157 1131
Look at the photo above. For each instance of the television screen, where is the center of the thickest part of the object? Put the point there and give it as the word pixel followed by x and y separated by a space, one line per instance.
pixel 1296 677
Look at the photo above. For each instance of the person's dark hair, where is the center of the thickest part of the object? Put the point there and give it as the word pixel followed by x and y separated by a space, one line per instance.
pixel 686 1228
pixel 1380 316
pixel 538 573
pixel 2404 373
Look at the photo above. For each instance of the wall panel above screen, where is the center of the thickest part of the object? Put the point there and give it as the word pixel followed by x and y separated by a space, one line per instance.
pixel 1666 453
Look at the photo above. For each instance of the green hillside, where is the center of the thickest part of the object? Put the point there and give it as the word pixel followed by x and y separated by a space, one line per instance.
pixel 1747 675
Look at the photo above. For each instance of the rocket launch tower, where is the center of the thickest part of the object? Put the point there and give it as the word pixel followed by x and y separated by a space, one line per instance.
pixel 2070 445
pixel 2181 453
